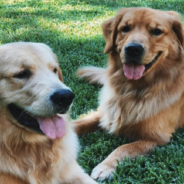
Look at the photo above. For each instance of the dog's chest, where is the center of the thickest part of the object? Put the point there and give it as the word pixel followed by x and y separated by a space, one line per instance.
pixel 125 108
pixel 124 103
pixel 35 165
pixel 53 165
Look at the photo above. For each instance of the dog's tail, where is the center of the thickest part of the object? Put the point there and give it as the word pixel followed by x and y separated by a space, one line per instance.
pixel 92 74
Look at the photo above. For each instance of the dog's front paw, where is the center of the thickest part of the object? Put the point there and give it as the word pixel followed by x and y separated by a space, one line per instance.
pixel 103 171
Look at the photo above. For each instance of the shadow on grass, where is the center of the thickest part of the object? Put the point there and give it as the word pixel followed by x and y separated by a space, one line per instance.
pixel 48 10
pixel 156 4
pixel 169 3
pixel 55 11
pixel 68 15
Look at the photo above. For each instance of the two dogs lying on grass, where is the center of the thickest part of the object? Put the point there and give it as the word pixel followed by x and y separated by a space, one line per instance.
pixel 142 98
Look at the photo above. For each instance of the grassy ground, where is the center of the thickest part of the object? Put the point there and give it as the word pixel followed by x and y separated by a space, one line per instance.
pixel 72 29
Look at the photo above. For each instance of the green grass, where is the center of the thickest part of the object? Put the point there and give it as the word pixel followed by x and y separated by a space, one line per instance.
pixel 72 29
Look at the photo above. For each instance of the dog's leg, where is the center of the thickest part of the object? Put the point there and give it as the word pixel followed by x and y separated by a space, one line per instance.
pixel 74 174
pixel 8 179
pixel 132 150
pixel 89 123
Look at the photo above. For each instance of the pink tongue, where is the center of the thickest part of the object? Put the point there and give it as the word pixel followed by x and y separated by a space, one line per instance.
pixel 133 71
pixel 53 127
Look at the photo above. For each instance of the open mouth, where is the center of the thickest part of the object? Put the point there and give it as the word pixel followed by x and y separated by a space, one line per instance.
pixel 153 61
pixel 136 71
pixel 53 127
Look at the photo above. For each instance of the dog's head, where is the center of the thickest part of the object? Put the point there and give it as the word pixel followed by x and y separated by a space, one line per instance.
pixel 32 88
pixel 142 36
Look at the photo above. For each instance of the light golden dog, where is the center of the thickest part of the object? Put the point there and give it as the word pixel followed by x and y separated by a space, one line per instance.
pixel 38 146
pixel 143 86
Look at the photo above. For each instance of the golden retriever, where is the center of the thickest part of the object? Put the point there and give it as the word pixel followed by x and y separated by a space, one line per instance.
pixel 143 85
pixel 38 145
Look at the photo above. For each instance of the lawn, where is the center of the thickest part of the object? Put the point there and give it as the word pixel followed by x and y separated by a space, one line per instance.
pixel 72 29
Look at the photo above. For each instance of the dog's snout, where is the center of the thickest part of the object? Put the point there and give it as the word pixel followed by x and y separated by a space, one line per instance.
pixel 63 97
pixel 134 49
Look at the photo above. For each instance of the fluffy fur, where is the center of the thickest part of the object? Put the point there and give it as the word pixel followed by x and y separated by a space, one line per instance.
pixel 28 157
pixel 147 110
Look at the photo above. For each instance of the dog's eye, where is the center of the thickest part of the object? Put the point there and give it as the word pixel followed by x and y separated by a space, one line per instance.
pixel 23 74
pixel 156 32
pixel 55 70
pixel 125 29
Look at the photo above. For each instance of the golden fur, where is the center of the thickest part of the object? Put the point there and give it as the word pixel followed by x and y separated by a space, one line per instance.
pixel 27 157
pixel 147 110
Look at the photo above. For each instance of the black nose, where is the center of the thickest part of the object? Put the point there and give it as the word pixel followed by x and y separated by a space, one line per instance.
pixel 134 49
pixel 63 97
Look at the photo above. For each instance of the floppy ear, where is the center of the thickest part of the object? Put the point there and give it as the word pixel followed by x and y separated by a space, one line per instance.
pixel 109 29
pixel 177 27
pixel 60 74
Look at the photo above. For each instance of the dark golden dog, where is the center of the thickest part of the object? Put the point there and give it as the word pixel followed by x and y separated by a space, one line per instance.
pixel 38 145
pixel 143 86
